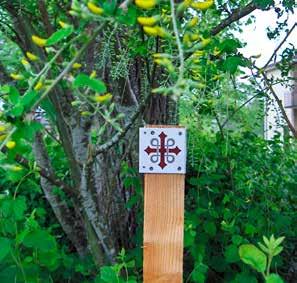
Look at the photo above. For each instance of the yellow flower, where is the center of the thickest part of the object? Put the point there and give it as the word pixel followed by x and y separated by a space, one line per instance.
pixel 11 144
pixel 31 56
pixel 38 86
pixel 147 21
pixel 205 42
pixel 202 5
pixel 41 42
pixel 102 98
pixel 3 137
pixel 183 6
pixel 63 24
pixel 16 77
pixel 216 77
pixel 216 51
pixel 195 36
pixel 75 103
pixel 95 9
pixel 166 63
pixel 187 39
pixel 16 168
pixel 85 113
pixel 93 74
pixel 198 53
pixel 76 65
pixel 146 4
pixel 2 128
pixel 161 55
pixel 193 22
pixel 25 62
pixel 154 31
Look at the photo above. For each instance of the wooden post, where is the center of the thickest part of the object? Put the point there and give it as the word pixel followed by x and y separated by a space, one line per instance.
pixel 163 226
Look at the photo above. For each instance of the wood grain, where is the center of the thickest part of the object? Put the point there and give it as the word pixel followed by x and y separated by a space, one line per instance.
pixel 163 227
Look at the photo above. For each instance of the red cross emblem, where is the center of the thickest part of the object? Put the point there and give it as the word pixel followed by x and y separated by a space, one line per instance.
pixel 162 150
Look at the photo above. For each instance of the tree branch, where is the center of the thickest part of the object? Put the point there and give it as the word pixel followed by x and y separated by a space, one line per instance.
pixel 236 15
pixel 116 138
pixel 280 105
pixel 279 46
pixel 44 173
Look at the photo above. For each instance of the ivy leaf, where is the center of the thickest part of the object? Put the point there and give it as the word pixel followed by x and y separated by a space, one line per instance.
pixel 4 248
pixel 59 35
pixel 83 80
pixel 273 278
pixel 252 256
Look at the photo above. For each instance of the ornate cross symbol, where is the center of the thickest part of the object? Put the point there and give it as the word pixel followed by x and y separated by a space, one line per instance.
pixel 162 150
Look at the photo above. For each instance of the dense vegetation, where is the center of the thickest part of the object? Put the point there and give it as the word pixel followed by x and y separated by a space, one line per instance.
pixel 78 79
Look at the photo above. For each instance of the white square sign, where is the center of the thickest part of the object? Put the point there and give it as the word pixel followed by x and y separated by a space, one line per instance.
pixel 162 150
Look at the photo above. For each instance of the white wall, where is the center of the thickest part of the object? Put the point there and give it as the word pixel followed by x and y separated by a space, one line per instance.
pixel 274 120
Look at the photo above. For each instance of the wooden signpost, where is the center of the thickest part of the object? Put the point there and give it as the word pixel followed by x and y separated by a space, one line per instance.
pixel 162 157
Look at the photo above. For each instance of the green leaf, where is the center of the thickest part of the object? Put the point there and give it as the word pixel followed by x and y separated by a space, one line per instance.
pixel 127 17
pixel 59 35
pixel 245 278
pixel 83 80
pixel 17 110
pixel 274 278
pixel 108 275
pixel 278 241
pixel 28 98
pixel 210 228
pixel 9 274
pixel 264 4
pixel 252 256
pixel 4 248
pixel 39 239
pixel 232 63
pixel 263 248
pixel 277 251
pixel 199 273
pixel 14 95
pixel 237 240
pixel 231 254
pixel 229 45
pixel 19 207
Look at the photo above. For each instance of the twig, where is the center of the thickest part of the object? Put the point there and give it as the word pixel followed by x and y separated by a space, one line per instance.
pixel 236 15
pixel 280 105
pixel 178 42
pixel 116 138
pixel 279 46
pixel 68 67
pixel 236 110
pixel 44 173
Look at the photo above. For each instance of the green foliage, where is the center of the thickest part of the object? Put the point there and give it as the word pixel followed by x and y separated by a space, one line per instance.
pixel 59 35
pixel 239 186
pixel 254 257
pixel 83 80
pixel 260 261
